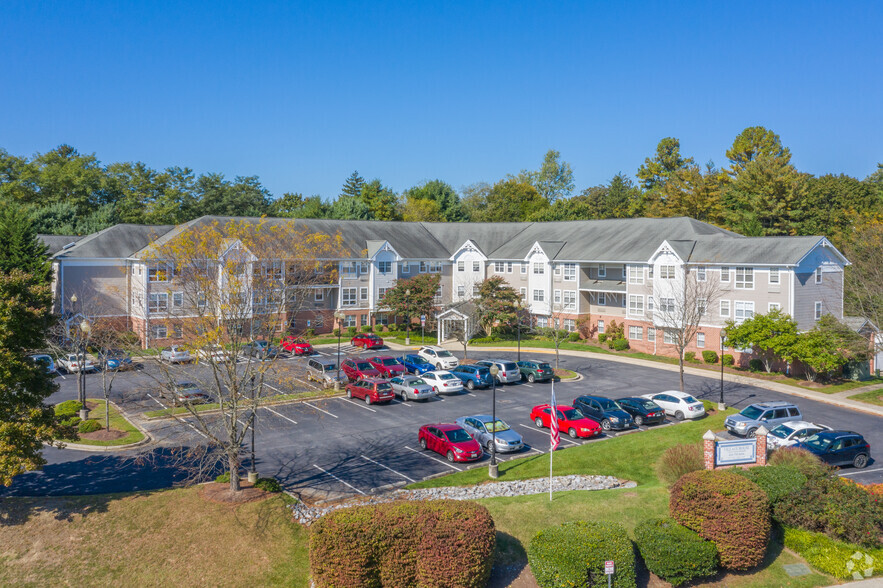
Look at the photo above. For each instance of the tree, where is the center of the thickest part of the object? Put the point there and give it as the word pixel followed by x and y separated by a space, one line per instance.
pixel 474 200
pixel 353 186
pixel 621 200
pixel 833 204
pixel 511 201
pixel 770 336
pixel 656 171
pixel 381 201
pixel 20 248
pixel 863 280
pixel 245 196
pixel 754 143
pixel 420 209
pixel 413 297
pixel 828 346
pixel 691 192
pixel 766 198
pixel 496 305
pixel 349 208
pixel 294 205
pixel 446 202
pixel 554 179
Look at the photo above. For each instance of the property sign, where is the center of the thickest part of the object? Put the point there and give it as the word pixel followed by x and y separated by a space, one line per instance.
pixel 422 320
pixel 735 452
pixel 608 567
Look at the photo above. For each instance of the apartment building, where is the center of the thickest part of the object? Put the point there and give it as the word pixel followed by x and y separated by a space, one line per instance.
pixel 571 275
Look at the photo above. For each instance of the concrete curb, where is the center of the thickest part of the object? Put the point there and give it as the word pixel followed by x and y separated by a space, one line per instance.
pixel 148 438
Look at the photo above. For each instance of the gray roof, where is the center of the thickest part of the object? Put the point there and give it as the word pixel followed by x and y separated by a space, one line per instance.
pixel 763 250
pixel 613 286
pixel 116 242
pixel 858 323
pixel 55 243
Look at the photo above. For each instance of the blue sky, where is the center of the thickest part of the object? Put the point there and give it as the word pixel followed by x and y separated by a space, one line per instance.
pixel 303 93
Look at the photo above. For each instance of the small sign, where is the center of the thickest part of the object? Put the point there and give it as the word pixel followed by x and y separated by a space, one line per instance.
pixel 422 320
pixel 608 568
pixel 735 452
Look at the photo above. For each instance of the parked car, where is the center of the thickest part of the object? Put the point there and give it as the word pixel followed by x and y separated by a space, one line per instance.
pixel 643 411
pixel 768 414
pixel 605 411
pixel 44 360
pixel 367 341
pixel 838 448
pixel 482 427
pixel 74 362
pixel 792 433
pixel 508 371
pixel 182 393
pixel 474 376
pixel 356 369
pixel 449 440
pixel 175 354
pixel 570 420
pixel 116 359
pixel 440 357
pixel 416 364
pixel 411 388
pixel 261 350
pixel 296 345
pixel 388 366
pixel 535 371
pixel 680 405
pixel 325 372
pixel 372 390
pixel 214 353
pixel 443 381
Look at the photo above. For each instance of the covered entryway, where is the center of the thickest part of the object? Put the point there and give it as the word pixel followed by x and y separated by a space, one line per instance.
pixel 458 321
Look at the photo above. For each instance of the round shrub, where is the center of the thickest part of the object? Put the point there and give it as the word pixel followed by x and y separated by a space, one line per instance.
pixel 73 421
pixel 268 485
pixel 728 509
pixel 679 460
pixel 67 409
pixel 805 462
pixel 602 337
pixel 673 552
pixel 367 328
pixel 223 478
pixel 432 543
pixel 336 332
pixel 351 331
pixel 573 337
pixel 729 359
pixel 776 480
pixel 755 365
pixel 88 426
pixel 573 554
pixel 689 356
pixel 709 356
pixel 620 344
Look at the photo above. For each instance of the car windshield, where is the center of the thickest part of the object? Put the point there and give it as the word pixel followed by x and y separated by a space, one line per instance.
pixel 187 386
pixel 817 442
pixel 415 382
pixel 545 366
pixel 690 400
pixel 329 367
pixel 447 377
pixel 390 361
pixel 457 436
pixel 607 404
pixel 444 353
pixel 383 387
pixel 417 359
pixel 364 365
pixel 649 405
pixel 372 337
pixel 509 366
pixel 572 414
pixel 781 432
pixel 752 412
pixel 496 426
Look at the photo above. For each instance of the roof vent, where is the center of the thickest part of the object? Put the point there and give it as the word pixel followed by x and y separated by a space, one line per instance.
pixel 69 245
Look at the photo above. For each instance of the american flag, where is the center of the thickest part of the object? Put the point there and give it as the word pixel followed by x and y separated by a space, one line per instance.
pixel 554 434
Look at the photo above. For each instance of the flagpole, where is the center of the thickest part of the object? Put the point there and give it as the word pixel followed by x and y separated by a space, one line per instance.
pixel 553 415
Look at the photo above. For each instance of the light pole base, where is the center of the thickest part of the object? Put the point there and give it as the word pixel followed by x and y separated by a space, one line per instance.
pixel 252 477
pixel 84 414
pixel 492 471
pixel 407 340
pixel 721 406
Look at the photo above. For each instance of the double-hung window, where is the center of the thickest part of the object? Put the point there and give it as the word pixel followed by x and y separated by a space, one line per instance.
pixel 406 267
pixel 743 311
pixel 636 274
pixel 178 299
pixel 700 274
pixel 668 337
pixel 725 309
pixel 667 272
pixel 381 292
pixel 363 268
pixel 476 290
pixel 508 267
pixel 600 327
pixel 159 331
pixel 556 269
pixel 557 297
pixel 499 267
pixel 461 291
pixel 774 276
pixel 666 305
pixel 725 275
pixel 636 305
pixel 651 334
pixel 702 306
pixel 744 278
pixel 523 293
pixel 384 267
pixel 818 314
pixel 569 272
pixel 158 273
pixel 773 306
pixel 347 269
pixel 348 296
pixel 319 295
pixel 424 267
pixel 569 325
pixel 476 266
pixel 523 268
pixel 700 340
pixel 570 300
pixel 818 275
pixel 437 299
pixel 461 266
pixel 636 333
pixel 602 271
pixel 363 293
pixel 602 299
pixel 539 267
pixel 158 302
pixel 539 295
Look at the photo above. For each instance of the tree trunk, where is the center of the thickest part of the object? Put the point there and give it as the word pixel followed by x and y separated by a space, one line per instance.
pixel 106 413
pixel 233 468
pixel 681 369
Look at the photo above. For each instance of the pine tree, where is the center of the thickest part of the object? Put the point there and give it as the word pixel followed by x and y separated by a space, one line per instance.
pixel 353 185
pixel 20 248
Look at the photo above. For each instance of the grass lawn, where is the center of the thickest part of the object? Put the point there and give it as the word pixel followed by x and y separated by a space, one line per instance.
pixel 117 421
pixel 872 397
pixel 164 538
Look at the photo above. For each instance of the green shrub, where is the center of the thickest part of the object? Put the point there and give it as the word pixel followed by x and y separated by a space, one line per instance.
pixel 709 356
pixel 88 426
pixel 223 478
pixel 729 359
pixel 366 328
pixel 805 462
pixel 67 409
pixel 268 485
pixel 728 509
pixel 406 543
pixel 602 337
pixel 755 365
pixel 831 556
pixel 336 332
pixel 350 331
pixel 573 554
pixel 689 356
pixel 73 421
pixel 776 480
pixel 679 460
pixel 484 340
pixel 311 332
pixel 620 344
pixel 673 552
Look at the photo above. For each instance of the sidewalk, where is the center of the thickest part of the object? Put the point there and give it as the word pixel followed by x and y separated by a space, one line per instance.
pixel 837 399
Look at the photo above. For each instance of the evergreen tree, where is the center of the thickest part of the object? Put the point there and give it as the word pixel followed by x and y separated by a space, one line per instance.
pixel 20 248
pixel 381 201
pixel 353 185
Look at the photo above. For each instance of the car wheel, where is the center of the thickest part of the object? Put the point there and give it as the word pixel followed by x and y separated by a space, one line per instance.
pixel 751 433
pixel 451 456
pixel 639 420
pixel 605 424
pixel 679 415
pixel 860 461
pixel 470 385
pixel 349 393
pixel 422 443
pixel 490 445
pixel 368 399
pixel 572 433
pixel 538 422
pixel 404 396
pixel 438 366
pixel 531 378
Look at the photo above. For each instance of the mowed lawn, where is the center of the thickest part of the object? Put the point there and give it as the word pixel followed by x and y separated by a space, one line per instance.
pixel 164 538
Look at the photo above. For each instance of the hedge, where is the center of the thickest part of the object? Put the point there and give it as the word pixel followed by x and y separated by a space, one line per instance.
pixel 709 356
pixel 728 509
pixel 776 480
pixel 573 555
pixel 573 337
pixel 673 552
pixel 268 485
pixel 833 557
pixel 602 337
pixel 407 543
pixel 807 463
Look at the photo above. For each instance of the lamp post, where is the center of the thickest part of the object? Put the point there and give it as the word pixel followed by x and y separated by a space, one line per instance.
pixel 408 316
pixel 339 315
pixel 518 307
pixel 253 473
pixel 492 468
pixel 721 405
pixel 84 329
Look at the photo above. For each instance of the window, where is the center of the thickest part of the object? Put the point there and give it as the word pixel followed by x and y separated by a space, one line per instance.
pixel 348 297
pixel 636 274
pixel 200 300
pixel 569 272
pixel 499 267
pixel 774 276
pixel 523 293
pixel 602 271
pixel 651 334
pixel 600 326
pixel 424 267
pixel 700 340
pixel 818 275
pixel 319 295
pixel 622 301
pixel 437 299
pixel 382 319
pixel 508 267
pixel 363 320
pixel 773 306
pixel 569 325
pixel 161 274
pixel 178 299
pixel 725 308
pixel 743 311
pixel 476 266
pixel 650 304
pixel 178 331
pixel 539 295
pixel 636 333
pixel 461 266
pixel 818 310
pixel 539 268
pixel 744 278
pixel 406 267
pixel 348 268
pixel 476 290
pixel 668 337
pixel 158 302
pixel 636 305
pixel 667 272
pixel 384 266
pixel 363 293
pixel 461 291
pixel 702 306
pixel 700 273
pixel 725 275
pixel 570 300
pixel 542 322
pixel 159 331
pixel 556 269
pixel 556 298
pixel 602 299
pixel 320 320
pixel 523 268
pixel 381 292
pixel 666 305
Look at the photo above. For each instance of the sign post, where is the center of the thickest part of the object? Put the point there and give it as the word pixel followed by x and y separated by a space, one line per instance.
pixel 609 569
pixel 423 329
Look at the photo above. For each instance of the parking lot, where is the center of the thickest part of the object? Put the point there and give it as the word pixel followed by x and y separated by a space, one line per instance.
pixel 336 447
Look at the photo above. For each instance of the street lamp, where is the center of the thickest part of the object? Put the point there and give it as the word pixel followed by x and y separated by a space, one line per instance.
pixel 84 327
pixel 408 316
pixel 518 307
pixel 253 473
pixel 492 468
pixel 339 315
pixel 721 405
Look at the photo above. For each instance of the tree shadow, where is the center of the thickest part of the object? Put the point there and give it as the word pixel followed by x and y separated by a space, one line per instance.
pixel 510 559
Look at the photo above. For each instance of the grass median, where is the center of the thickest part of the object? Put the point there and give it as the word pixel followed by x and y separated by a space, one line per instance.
pixel 117 422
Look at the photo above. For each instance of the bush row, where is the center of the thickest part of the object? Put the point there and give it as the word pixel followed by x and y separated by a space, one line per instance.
pixel 839 559
pixel 433 543
pixel 673 552
pixel 573 555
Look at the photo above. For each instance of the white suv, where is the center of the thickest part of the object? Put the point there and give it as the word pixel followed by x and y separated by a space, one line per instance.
pixel 440 357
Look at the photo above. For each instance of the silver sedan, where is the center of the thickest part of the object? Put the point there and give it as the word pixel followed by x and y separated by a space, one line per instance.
pixel 443 381
pixel 411 388
pixel 481 427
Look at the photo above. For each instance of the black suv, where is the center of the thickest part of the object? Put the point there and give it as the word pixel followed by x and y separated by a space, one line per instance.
pixel 604 411
pixel 643 410
pixel 838 448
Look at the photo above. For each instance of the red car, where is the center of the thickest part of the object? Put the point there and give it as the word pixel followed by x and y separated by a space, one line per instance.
pixel 358 369
pixel 389 367
pixel 449 440
pixel 296 345
pixel 371 390
pixel 570 420
pixel 367 341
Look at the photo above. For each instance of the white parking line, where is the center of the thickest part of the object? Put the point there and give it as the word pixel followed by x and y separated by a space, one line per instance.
pixel 320 410
pixel 356 403
pixel 274 389
pixel 279 414
pixel 188 423
pixel 388 468
pixel 528 385
pixel 471 394
pixel 339 480
pixel 441 461
pixel 856 473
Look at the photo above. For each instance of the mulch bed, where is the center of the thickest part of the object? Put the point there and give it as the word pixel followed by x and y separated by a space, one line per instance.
pixel 221 494
pixel 104 435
